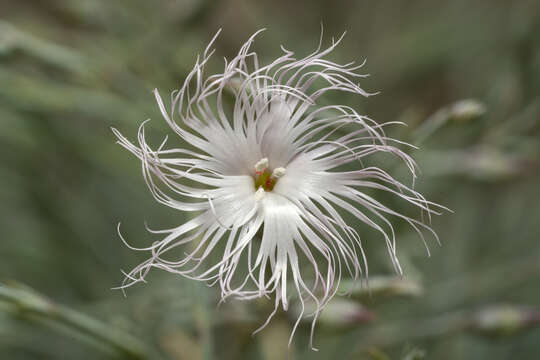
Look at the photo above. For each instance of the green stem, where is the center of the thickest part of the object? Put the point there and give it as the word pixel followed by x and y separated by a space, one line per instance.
pixel 28 302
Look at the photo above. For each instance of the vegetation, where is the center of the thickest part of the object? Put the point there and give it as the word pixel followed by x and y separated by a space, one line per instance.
pixel 464 76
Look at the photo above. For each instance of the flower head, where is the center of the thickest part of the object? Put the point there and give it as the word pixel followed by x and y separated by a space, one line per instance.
pixel 269 179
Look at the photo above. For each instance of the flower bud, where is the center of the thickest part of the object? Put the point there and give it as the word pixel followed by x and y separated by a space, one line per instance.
pixel 502 320
pixel 382 286
pixel 337 313
pixel 466 110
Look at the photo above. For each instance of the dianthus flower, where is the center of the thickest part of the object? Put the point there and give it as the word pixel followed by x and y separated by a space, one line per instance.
pixel 267 179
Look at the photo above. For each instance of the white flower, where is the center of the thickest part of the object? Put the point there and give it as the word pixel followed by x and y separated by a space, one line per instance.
pixel 269 178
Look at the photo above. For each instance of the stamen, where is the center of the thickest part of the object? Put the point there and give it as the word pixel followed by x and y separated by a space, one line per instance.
pixel 265 178
pixel 261 165
pixel 278 172
pixel 259 194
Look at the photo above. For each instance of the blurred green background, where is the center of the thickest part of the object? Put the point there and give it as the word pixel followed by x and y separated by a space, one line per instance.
pixel 464 76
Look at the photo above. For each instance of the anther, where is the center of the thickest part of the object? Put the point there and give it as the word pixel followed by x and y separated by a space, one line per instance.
pixel 261 165
pixel 278 172
pixel 266 178
pixel 259 194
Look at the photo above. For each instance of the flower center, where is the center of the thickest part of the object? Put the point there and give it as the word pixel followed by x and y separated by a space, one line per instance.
pixel 265 178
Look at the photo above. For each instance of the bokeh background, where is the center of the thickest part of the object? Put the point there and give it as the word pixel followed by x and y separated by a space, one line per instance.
pixel 464 76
